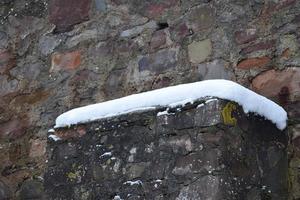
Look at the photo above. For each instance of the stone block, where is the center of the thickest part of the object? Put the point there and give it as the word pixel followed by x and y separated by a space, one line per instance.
pixel 217 69
pixel 65 61
pixel 158 62
pixel 280 85
pixel 101 5
pixel 251 63
pixel 245 36
pixel 200 18
pixel 66 13
pixel 199 51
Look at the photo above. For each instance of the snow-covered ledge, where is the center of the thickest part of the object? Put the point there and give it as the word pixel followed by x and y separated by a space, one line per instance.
pixel 178 95
pixel 207 149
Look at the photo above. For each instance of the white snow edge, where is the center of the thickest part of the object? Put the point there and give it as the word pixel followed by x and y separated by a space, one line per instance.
pixel 177 95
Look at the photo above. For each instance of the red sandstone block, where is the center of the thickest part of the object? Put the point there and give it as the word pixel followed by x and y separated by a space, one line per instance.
pixel 65 61
pixel 253 63
pixel 282 85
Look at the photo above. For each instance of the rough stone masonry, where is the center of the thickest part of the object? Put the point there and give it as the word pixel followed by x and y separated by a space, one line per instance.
pixel 206 150
pixel 56 55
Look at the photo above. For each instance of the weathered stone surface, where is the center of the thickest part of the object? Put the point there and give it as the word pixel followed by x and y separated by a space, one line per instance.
pixel 101 5
pixel 159 39
pixel 130 33
pixel 217 69
pixel 32 31
pixel 250 63
pixel 38 148
pixel 31 189
pixel 261 46
pixel 190 152
pixel 5 192
pixel 84 36
pixel 66 13
pixel 204 188
pixel 282 85
pixel 47 44
pixel 7 61
pixel 158 62
pixel 245 36
pixel 199 51
pixel 180 31
pixel 14 128
pixel 155 9
pixel 290 43
pixel 65 61
pixel 200 18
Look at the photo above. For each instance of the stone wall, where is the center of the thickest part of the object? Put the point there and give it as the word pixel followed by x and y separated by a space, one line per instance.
pixel 59 54
pixel 207 150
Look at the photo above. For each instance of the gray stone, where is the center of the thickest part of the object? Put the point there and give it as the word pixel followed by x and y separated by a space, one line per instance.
pixel 5 193
pixel 158 62
pixel 101 5
pixel 209 113
pixel 8 86
pixel 151 25
pixel 31 189
pixel 199 51
pixel 180 144
pixel 3 40
pixel 201 18
pixel 136 170
pixel 84 36
pixel 288 42
pixel 217 69
pixel 47 44
pixel 206 187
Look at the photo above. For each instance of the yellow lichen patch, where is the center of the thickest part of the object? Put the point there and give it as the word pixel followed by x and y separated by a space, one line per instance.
pixel 228 119
pixel 72 176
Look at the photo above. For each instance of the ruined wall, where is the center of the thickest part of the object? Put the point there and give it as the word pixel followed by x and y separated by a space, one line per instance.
pixel 59 54
pixel 206 150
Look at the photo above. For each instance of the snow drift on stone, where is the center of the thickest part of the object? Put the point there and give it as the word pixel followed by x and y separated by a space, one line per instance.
pixel 178 95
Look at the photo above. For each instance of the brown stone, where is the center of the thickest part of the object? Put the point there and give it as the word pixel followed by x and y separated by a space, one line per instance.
pixel 37 148
pixel 7 61
pixel 75 132
pixel 245 36
pixel 14 128
pixel 158 39
pixel 31 98
pixel 65 61
pixel 253 63
pixel 259 47
pixel 286 54
pixel 154 10
pixel 280 85
pixel 284 3
pixel 66 13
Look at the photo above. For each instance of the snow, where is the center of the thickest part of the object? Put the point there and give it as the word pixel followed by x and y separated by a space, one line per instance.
pixel 54 137
pixel 51 130
pixel 138 182
pixel 178 95
pixel 106 154
pixel 117 197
